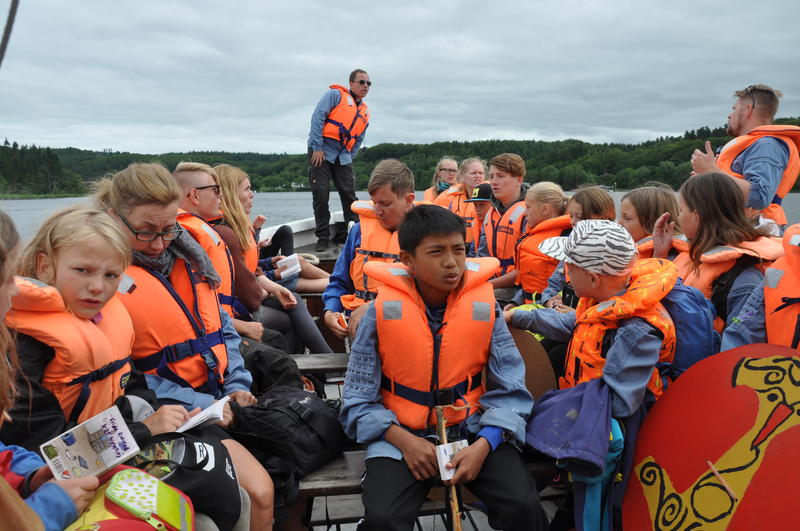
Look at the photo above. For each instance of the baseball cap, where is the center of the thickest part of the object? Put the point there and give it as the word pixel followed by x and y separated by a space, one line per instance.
pixel 597 245
pixel 482 192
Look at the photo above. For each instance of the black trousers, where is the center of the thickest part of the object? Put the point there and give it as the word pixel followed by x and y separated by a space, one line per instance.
pixel 392 497
pixel 282 243
pixel 319 179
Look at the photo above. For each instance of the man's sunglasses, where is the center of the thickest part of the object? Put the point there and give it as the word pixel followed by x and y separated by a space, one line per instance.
pixel 365 82
pixel 215 187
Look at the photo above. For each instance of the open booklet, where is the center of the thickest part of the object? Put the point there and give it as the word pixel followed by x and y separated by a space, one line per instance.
pixel 92 447
pixel 289 265
pixel 210 415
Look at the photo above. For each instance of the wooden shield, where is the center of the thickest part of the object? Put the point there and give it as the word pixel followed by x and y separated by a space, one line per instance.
pixel 717 450
pixel 539 376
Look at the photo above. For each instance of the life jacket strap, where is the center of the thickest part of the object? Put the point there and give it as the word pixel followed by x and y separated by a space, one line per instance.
pixel 440 397
pixel 87 379
pixel 505 262
pixel 200 346
pixel 344 133
pixel 239 308
pixel 378 254
pixel 365 295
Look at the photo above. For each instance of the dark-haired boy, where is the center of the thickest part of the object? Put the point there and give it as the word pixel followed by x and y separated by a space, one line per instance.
pixel 425 341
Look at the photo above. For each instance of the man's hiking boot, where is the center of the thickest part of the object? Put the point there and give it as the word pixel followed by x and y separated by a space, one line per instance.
pixel 321 246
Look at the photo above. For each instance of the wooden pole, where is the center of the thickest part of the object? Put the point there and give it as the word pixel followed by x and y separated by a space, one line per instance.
pixel 455 514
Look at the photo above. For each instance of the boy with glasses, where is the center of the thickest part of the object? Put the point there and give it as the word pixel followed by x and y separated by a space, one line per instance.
pixel 338 126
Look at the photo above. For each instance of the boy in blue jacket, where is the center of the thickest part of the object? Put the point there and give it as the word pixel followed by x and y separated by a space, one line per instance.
pixel 424 342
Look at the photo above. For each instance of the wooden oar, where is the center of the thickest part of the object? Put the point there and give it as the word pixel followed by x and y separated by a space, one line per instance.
pixel 455 514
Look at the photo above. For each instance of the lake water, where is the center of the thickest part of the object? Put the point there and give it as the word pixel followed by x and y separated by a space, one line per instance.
pixel 278 207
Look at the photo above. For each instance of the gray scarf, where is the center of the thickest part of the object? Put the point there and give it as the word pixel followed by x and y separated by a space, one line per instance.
pixel 186 248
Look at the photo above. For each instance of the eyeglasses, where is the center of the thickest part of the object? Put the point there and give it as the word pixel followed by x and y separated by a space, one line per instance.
pixel 149 236
pixel 206 187
pixel 365 82
pixel 448 170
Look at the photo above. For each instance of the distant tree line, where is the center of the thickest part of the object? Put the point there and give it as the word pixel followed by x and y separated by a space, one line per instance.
pixel 567 162
pixel 35 170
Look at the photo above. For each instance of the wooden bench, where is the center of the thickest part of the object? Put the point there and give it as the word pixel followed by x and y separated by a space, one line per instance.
pixel 342 478
pixel 330 362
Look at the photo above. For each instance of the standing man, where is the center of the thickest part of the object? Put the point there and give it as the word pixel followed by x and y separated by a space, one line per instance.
pixel 337 131
pixel 763 157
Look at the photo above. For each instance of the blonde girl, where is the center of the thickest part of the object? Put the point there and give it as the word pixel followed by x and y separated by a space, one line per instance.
pixel 46 504
pixel 545 207
pixel 237 203
pixel 71 270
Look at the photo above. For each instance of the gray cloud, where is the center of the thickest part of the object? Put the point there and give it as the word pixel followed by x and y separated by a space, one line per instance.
pixel 173 76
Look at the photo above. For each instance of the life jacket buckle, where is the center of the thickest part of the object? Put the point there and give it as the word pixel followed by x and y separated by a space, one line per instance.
pixel 208 357
pixel 445 397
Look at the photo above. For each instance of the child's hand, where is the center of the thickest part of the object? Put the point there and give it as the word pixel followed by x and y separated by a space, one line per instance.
pixel 509 306
pixel 420 457
pixel 80 490
pixel 332 322
pixel 286 298
pixel 355 319
pixel 252 329
pixel 227 415
pixel 244 398
pixel 663 230
pixel 167 419
pixel 552 303
pixel 507 316
pixel 258 222
pixel 468 462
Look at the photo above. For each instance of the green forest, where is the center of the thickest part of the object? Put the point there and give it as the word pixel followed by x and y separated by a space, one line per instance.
pixel 41 170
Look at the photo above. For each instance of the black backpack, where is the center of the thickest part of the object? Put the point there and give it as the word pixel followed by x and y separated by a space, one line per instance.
pixel 296 426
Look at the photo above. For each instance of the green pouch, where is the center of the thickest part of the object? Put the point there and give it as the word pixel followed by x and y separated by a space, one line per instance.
pixel 151 500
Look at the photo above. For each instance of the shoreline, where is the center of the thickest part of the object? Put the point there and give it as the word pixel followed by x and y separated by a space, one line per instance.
pixel 8 197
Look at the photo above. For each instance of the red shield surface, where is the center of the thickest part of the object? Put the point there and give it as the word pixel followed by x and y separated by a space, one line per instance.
pixel 738 411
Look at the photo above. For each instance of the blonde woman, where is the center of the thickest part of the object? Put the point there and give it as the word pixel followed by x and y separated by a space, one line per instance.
pixel 444 176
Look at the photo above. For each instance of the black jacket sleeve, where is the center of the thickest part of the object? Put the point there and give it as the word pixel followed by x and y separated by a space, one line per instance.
pixel 36 416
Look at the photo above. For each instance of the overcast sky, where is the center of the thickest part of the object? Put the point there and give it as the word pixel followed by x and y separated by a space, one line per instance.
pixel 159 76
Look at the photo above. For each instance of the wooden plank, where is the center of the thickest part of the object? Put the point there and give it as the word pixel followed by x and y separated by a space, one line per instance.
pixel 340 476
pixel 333 362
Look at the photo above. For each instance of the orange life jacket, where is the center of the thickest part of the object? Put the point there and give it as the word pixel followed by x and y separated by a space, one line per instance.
pixel 91 366
pixel 502 234
pixel 644 247
pixel 534 267
pixel 790 135
pixel 217 251
pixel 782 293
pixel 717 261
pixel 178 327
pixel 347 121
pixel 251 253
pixel 454 199
pixel 406 345
pixel 651 280
pixel 429 195
pixel 377 244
